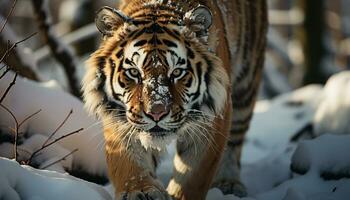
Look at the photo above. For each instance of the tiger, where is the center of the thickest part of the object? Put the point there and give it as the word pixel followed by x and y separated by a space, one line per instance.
pixel 176 70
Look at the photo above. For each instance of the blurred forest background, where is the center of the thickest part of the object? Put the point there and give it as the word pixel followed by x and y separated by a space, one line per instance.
pixel 308 41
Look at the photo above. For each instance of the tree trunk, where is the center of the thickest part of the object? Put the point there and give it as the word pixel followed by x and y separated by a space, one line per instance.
pixel 311 35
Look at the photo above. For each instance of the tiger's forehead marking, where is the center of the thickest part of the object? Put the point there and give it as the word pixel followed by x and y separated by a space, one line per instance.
pixel 159 54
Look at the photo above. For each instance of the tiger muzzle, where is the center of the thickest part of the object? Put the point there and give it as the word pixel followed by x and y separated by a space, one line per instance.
pixel 157 98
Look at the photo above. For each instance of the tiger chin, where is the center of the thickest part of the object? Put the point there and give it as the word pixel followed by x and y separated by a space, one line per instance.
pixel 154 79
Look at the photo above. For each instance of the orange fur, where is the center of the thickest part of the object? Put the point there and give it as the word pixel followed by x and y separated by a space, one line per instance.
pixel 131 167
pixel 125 173
pixel 196 183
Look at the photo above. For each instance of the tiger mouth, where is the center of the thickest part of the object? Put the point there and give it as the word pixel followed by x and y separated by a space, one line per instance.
pixel 158 131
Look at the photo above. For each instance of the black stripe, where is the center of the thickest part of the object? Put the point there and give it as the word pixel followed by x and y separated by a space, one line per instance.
pixel 163 57
pixel 189 66
pixel 168 31
pixel 190 53
pixel 199 72
pixel 141 22
pixel 138 34
pixel 140 43
pixel 209 99
pixel 129 62
pixel 112 64
pixel 131 35
pixel 243 98
pixel 243 121
pixel 124 43
pixel 238 131
pixel 120 53
pixel 176 32
pixel 169 43
pixel 154 40
pixel 154 28
pixel 189 82
pixel 235 143
pixel 100 74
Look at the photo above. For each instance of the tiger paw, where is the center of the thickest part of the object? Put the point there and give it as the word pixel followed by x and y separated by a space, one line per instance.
pixel 149 194
pixel 231 187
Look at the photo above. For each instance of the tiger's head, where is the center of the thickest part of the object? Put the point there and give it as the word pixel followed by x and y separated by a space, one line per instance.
pixel 154 74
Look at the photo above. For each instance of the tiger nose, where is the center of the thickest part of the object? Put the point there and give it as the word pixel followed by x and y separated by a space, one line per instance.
pixel 157 111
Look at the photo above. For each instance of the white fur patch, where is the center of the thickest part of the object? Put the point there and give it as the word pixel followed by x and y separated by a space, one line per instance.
pixel 217 89
pixel 180 166
pixel 156 143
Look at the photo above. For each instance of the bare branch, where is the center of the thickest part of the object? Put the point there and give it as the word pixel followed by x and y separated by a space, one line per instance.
pixel 9 88
pixel 5 72
pixel 21 61
pixel 14 46
pixel 59 160
pixel 8 15
pixel 29 117
pixel 51 143
pixel 16 128
pixel 62 53
pixel 60 126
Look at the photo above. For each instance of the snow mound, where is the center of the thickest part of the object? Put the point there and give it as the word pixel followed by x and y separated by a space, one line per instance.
pixel 27 97
pixel 326 155
pixel 23 182
pixel 333 114
pixel 323 166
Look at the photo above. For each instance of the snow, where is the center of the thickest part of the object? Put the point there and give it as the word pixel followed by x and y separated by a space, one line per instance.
pixel 321 166
pixel 26 97
pixel 333 114
pixel 315 157
pixel 23 182
pixel 319 155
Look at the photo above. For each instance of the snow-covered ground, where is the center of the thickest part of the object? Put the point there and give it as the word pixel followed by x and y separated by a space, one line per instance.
pixel 273 167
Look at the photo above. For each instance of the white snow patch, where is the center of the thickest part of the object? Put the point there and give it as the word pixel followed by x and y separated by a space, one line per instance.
pixel 23 182
pixel 327 153
pixel 333 114
pixel 26 97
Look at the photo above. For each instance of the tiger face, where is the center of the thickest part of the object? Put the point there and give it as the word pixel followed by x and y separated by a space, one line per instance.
pixel 154 84
pixel 154 73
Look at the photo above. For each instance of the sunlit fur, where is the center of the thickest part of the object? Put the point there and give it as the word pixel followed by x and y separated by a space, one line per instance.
pixel 224 68
pixel 200 92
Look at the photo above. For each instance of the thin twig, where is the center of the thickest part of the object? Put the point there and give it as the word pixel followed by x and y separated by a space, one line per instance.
pixel 53 142
pixel 19 60
pixel 5 72
pixel 14 46
pixel 58 128
pixel 9 88
pixel 59 160
pixel 8 15
pixel 30 116
pixel 16 128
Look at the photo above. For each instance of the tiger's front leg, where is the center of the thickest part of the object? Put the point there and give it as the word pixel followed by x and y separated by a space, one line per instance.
pixel 132 170
pixel 196 161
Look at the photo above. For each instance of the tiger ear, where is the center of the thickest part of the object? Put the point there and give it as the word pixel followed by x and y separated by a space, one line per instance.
pixel 108 19
pixel 199 20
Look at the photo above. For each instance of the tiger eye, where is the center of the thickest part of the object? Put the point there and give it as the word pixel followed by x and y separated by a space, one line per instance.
pixel 177 72
pixel 134 72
